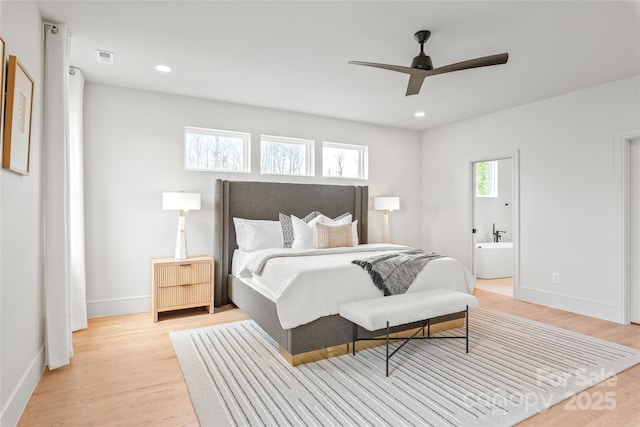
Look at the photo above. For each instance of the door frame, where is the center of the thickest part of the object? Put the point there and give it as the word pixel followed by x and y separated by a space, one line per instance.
pixel 623 142
pixel 515 203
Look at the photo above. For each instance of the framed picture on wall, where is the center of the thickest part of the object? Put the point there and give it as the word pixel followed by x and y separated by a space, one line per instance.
pixel 3 82
pixel 17 126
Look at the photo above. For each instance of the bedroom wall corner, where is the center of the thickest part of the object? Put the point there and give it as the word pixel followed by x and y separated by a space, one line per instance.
pixel 21 227
pixel 568 197
pixel 134 145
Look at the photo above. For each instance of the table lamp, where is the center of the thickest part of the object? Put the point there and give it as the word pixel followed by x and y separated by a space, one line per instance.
pixel 386 204
pixel 182 202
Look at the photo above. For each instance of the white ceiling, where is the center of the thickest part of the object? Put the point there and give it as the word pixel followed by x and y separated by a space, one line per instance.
pixel 293 55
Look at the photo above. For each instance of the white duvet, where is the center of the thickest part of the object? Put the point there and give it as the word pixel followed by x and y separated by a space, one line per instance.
pixel 308 284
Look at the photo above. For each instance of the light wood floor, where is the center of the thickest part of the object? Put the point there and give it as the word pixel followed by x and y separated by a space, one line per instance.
pixel 503 286
pixel 124 372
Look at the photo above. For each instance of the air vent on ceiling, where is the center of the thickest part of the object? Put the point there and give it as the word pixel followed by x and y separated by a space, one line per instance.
pixel 105 57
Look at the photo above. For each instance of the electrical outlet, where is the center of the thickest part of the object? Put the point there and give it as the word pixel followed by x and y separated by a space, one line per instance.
pixel 555 277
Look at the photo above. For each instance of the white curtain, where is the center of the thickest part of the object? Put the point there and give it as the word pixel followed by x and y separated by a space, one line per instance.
pixel 76 202
pixel 64 269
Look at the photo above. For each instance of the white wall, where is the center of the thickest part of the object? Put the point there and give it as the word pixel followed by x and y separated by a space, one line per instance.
pixel 21 219
pixel 569 202
pixel 134 152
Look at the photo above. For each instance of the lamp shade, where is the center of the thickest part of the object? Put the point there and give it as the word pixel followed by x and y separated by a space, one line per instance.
pixel 181 201
pixel 386 203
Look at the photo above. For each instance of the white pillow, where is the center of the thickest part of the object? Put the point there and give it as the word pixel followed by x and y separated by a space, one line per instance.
pixel 354 233
pixel 255 234
pixel 304 234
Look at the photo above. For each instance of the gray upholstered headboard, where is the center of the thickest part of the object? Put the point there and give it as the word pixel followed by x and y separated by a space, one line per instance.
pixel 265 200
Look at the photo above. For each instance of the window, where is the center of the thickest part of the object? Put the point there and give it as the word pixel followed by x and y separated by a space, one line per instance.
pixel 216 150
pixel 345 161
pixel 286 156
pixel 487 179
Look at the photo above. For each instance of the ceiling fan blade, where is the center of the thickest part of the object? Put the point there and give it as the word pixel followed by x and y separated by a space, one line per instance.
pixel 398 68
pixel 485 61
pixel 415 83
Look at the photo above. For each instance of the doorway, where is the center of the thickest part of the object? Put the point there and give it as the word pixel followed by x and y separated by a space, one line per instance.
pixel 627 153
pixel 634 230
pixel 494 224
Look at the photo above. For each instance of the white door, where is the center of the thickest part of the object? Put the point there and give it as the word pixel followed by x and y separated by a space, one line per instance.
pixel 634 228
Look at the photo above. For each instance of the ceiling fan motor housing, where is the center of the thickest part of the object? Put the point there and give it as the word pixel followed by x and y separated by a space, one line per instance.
pixel 422 62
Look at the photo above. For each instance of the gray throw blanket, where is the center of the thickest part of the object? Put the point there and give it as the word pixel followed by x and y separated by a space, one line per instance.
pixel 394 273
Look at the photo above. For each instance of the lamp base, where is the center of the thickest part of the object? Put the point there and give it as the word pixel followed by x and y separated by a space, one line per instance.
pixel 181 239
pixel 385 231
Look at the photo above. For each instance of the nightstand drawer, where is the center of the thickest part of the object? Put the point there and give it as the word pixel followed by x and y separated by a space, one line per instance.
pixel 185 295
pixel 183 274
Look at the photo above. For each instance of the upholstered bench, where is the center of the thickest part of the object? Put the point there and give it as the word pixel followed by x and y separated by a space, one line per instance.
pixel 394 310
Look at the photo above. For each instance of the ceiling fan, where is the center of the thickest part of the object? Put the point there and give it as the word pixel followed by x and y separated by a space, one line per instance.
pixel 422 67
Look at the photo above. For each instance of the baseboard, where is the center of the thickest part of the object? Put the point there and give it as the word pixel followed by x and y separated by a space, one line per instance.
pixel 116 306
pixel 573 304
pixel 17 401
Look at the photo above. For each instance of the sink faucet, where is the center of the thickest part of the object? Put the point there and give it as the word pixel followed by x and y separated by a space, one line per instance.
pixel 497 234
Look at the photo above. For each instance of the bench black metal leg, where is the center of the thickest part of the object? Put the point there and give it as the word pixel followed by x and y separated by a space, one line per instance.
pixel 466 322
pixel 387 348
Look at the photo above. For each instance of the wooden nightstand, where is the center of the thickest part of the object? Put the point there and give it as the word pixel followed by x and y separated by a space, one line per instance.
pixel 178 284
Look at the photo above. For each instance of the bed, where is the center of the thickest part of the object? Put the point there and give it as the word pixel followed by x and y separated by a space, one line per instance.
pixel 265 201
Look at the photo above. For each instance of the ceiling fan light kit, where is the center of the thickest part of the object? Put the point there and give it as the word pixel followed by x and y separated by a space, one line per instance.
pixel 422 67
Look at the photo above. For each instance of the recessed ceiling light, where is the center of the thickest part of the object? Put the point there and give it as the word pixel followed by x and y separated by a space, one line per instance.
pixel 163 68
pixel 419 114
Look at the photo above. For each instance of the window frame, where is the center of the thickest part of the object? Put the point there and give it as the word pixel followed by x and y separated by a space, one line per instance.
pixel 309 145
pixel 363 159
pixel 246 148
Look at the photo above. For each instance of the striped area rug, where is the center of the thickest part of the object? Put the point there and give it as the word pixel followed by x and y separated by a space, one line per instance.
pixel 515 368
